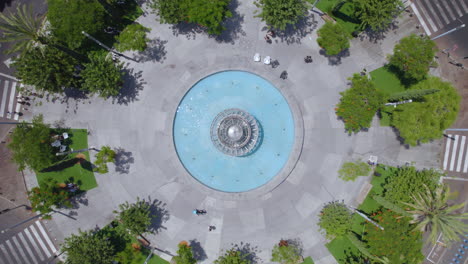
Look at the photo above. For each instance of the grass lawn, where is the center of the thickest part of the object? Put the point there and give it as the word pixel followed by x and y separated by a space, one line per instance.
pixel 155 259
pixel 341 248
pixel 344 16
pixel 387 82
pixel 81 174
pixel 308 260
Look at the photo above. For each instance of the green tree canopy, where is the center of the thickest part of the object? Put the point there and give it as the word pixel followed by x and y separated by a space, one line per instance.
pixel 413 94
pixel 351 170
pixel 209 14
pixel 88 248
pixel 232 256
pixel 359 103
pixel 44 198
pixel 335 219
pixel 279 14
pixel 432 213
pixel 398 241
pixel 47 69
pixel 169 11
pixel 413 56
pixel 30 144
pixel 405 181
pixel 22 28
pixel 136 217
pixel 377 14
pixel 425 120
pixel 184 255
pixel 105 155
pixel 69 18
pixel 286 253
pixel 133 37
pixel 101 75
pixel 333 38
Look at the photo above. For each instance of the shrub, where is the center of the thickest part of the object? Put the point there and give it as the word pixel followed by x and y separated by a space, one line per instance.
pixel 133 37
pixel 351 170
pixel 106 154
pixel 335 219
pixel 413 56
pixel 359 103
pixel 425 120
pixel 44 198
pixel 286 253
pixel 398 241
pixel 405 181
pixel 333 38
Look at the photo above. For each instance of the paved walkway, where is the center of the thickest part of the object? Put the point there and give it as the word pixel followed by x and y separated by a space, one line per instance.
pixel 141 124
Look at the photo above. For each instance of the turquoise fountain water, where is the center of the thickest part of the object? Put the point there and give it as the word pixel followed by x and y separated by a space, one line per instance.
pixel 228 150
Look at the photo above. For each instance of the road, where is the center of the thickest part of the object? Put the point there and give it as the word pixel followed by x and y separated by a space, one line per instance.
pixel 39 8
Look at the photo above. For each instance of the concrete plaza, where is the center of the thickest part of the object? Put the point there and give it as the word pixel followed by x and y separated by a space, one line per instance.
pixel 140 123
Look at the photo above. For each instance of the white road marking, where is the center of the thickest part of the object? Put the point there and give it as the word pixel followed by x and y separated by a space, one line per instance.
pixel 434 13
pixel 442 12
pixel 4 97
pixel 12 250
pixel 20 249
pixel 428 18
pixel 465 8
pixel 31 239
pixel 451 15
pixel 5 253
pixel 18 108
pixel 46 237
pixel 460 153
pixel 454 153
pixel 447 151
pixel 423 24
pixel 26 245
pixel 12 100
pixel 41 243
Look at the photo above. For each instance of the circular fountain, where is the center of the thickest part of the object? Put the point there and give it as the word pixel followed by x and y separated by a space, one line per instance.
pixel 235 132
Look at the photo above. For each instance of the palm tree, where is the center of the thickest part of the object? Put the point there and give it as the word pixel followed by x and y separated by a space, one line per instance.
pixel 431 212
pixel 23 28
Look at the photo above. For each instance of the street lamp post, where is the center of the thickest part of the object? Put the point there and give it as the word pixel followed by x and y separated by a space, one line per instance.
pixel 448 32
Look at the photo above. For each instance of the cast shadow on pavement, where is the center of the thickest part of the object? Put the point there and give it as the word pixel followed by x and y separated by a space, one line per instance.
pixel 154 52
pixel 233 25
pixel 133 84
pixel 248 251
pixel 335 59
pixel 123 159
pixel 294 34
pixel 159 215
pixel 198 252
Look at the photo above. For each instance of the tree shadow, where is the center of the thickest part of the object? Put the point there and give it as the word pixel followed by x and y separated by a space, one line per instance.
pixel 335 60
pixel 133 84
pixel 294 33
pixel 350 257
pixel 5 3
pixel 159 214
pixel 247 251
pixel 197 250
pixel 154 52
pixel 190 30
pixel 123 159
pixel 376 36
pixel 233 25
pixel 297 243
pixel 79 199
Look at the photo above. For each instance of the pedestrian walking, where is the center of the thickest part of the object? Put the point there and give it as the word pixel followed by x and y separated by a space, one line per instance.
pixel 211 228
